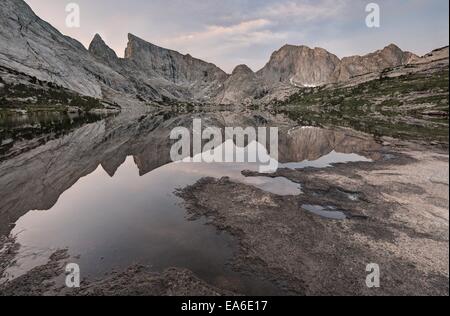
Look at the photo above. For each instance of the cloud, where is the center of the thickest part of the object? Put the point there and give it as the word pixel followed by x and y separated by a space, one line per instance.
pixel 217 43
pixel 231 32
pixel 256 31
pixel 306 11
pixel 250 31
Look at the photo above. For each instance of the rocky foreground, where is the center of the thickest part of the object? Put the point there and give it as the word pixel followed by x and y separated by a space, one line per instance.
pixel 397 217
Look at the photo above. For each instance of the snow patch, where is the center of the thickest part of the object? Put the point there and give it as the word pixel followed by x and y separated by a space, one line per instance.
pixel 303 85
pixel 293 83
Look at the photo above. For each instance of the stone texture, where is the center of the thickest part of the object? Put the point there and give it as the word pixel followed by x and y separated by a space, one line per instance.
pixel 242 86
pixel 99 49
pixel 300 66
pixel 31 45
pixel 183 76
pixel 151 73
pixel 388 57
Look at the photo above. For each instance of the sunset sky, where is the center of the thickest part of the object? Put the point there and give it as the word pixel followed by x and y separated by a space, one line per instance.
pixel 234 32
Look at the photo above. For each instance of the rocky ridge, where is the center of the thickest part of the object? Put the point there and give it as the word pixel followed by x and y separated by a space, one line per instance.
pixel 150 73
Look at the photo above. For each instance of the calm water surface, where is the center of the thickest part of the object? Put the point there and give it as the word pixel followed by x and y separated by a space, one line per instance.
pixel 111 221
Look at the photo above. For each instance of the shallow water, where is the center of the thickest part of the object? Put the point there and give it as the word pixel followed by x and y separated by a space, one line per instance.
pixel 329 212
pixel 113 204
pixel 111 223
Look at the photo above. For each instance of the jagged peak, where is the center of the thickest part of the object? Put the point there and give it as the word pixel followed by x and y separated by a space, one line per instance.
pixel 100 49
pixel 97 38
pixel 96 41
pixel 132 37
pixel 130 49
pixel 134 42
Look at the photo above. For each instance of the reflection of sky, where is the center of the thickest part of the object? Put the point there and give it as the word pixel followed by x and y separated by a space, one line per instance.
pixel 115 222
pixel 113 217
pixel 235 32
pixel 326 161
pixel 255 155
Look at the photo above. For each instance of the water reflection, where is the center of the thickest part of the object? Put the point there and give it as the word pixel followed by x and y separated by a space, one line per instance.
pixel 112 222
pixel 22 125
pixel 108 191
pixel 329 212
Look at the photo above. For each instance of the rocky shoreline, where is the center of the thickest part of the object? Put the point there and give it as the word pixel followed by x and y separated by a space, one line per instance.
pixel 400 224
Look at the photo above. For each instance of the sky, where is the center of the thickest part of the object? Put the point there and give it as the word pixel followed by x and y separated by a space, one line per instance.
pixel 232 32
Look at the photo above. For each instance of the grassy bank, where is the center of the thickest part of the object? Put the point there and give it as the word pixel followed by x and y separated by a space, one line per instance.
pixel 408 107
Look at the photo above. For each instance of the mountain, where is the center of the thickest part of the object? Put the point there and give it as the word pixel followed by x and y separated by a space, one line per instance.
pixel 390 56
pixel 159 73
pixel 437 55
pixel 305 67
pixel 293 67
pixel 242 85
pixel 182 75
pixel 301 66
pixel 100 50
pixel 32 46
pixel 151 73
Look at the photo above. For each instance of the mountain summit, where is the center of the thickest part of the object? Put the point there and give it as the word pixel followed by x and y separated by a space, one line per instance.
pixel 301 66
pixel 99 49
pixel 151 73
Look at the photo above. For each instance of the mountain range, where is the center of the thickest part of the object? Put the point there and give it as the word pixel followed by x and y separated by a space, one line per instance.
pixel 149 73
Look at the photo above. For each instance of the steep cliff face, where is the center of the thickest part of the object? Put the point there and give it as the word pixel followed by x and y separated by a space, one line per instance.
pixel 159 73
pixel 31 45
pixel 305 67
pixel 301 66
pixel 171 65
pixel 152 73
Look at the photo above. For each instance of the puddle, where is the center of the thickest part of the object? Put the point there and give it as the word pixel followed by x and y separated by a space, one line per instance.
pixel 329 212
